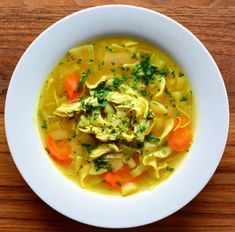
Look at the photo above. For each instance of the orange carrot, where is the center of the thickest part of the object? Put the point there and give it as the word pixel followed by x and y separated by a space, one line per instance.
pixel 59 150
pixel 180 139
pixel 110 179
pixel 71 86
pixel 118 178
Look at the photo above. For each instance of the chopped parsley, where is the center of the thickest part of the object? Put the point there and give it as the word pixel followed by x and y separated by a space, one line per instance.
pixel 152 138
pixel 95 114
pixel 184 98
pixel 181 74
pixel 164 71
pixel 108 48
pixel 139 144
pixel 102 163
pixel 83 80
pixel 170 169
pixel 117 81
pixel 125 69
pixel 101 63
pixel 144 71
pixel 101 94
pixel 168 92
pixel 79 61
pixel 126 158
pixel 172 99
pixel 44 124
pixel 143 92
pixel 165 144
pixel 88 147
pixel 150 115
pixel 142 128
pixel 72 136
pixel 133 56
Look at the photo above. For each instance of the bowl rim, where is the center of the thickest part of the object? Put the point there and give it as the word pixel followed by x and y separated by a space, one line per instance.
pixel 110 6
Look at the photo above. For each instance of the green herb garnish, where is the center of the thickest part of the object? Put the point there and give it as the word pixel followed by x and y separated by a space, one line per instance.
pixel 133 56
pixel 44 124
pixel 139 144
pixel 144 71
pixel 170 169
pixel 79 61
pixel 184 98
pixel 72 136
pixel 126 157
pixel 143 92
pixel 88 147
pixel 152 138
pixel 102 163
pixel 181 74
pixel 83 80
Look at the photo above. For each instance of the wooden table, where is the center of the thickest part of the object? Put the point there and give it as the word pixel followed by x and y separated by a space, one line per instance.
pixel 212 21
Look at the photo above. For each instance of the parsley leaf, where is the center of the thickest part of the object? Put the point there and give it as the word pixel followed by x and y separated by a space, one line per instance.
pixel 152 138
pixel 184 98
pixel 83 80
pixel 181 74
pixel 102 163
pixel 88 147
pixel 139 144
pixel 79 61
pixel 144 71
pixel 170 169
pixel 72 136
pixel 117 81
pixel 44 124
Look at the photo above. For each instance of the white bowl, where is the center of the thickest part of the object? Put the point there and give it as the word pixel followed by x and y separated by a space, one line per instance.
pixel 61 193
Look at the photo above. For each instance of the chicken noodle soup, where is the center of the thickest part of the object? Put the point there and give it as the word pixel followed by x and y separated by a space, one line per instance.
pixel 116 115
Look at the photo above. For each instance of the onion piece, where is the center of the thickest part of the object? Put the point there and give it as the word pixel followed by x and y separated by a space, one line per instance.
pixel 128 189
pixel 59 134
pixel 116 164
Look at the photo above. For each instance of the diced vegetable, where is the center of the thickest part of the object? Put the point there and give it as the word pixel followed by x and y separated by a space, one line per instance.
pixel 118 178
pixel 180 139
pixel 110 180
pixel 71 86
pixel 128 189
pixel 59 134
pixel 116 164
pixel 59 149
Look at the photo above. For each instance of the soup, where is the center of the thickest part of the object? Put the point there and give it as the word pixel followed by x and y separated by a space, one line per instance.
pixel 116 115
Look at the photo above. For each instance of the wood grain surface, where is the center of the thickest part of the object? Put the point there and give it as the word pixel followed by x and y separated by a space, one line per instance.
pixel 212 21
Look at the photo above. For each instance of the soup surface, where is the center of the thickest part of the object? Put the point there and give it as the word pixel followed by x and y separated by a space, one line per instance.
pixel 116 115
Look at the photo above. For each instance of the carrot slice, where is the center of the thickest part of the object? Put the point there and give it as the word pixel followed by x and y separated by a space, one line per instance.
pixel 59 150
pixel 118 178
pixel 110 180
pixel 180 139
pixel 71 86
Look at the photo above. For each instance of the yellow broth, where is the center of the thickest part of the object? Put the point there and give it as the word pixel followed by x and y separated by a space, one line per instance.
pixel 135 70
